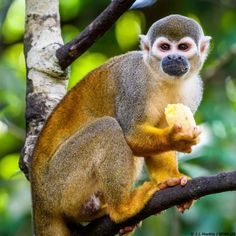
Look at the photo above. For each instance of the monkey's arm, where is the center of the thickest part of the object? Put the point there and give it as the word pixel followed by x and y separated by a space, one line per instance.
pixel 146 140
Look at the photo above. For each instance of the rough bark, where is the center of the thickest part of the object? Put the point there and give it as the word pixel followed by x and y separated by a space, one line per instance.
pixel 165 199
pixel 46 81
pixel 73 49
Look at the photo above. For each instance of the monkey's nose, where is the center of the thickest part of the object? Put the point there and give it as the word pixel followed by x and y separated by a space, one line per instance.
pixel 175 65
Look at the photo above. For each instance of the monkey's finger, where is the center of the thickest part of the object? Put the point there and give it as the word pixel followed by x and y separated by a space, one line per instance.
pixel 184 136
pixel 189 135
pixel 188 204
pixel 176 128
pixel 162 186
pixel 185 141
pixel 180 208
pixel 183 146
pixel 126 230
pixel 184 206
pixel 196 132
pixel 183 180
pixel 173 182
pixel 129 229
pixel 185 149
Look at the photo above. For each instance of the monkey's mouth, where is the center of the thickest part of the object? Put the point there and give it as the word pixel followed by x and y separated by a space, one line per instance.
pixel 175 66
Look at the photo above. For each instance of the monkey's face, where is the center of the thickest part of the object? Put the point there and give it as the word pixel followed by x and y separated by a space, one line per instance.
pixel 174 58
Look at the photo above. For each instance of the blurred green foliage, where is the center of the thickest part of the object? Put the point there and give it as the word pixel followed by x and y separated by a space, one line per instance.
pixel 217 113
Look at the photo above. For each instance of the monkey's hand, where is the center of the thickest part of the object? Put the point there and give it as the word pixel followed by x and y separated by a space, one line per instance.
pixel 182 140
pixel 184 133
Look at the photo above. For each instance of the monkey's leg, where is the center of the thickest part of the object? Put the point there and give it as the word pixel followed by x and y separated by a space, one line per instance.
pixel 130 202
pixel 116 176
pixel 163 169
pixel 163 166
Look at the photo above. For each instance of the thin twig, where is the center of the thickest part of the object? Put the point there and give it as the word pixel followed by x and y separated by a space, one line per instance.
pixel 73 49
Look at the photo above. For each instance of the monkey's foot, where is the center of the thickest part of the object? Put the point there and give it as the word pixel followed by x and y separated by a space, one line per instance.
pixel 173 182
pixel 126 230
pixel 129 230
pixel 184 206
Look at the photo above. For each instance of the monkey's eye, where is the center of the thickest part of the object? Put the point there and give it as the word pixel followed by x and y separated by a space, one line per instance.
pixel 183 46
pixel 165 47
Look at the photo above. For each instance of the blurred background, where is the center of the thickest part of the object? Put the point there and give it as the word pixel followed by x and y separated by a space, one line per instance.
pixel 217 113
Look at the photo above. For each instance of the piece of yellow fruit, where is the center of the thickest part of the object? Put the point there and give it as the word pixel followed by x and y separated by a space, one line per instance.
pixel 179 114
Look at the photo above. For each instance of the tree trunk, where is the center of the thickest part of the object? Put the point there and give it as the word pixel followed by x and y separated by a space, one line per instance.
pixel 46 81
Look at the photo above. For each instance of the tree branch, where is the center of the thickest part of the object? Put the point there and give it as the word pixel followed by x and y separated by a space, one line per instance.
pixel 69 52
pixel 165 199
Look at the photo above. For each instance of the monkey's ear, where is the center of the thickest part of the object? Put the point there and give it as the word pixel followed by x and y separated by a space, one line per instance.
pixel 204 44
pixel 144 43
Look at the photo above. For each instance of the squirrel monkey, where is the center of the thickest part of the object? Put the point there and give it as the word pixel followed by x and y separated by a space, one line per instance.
pixel 92 147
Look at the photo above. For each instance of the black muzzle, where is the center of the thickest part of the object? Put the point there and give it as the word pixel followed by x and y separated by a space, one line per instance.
pixel 175 65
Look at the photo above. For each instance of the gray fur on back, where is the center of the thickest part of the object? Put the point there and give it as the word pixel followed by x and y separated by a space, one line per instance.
pixel 132 89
